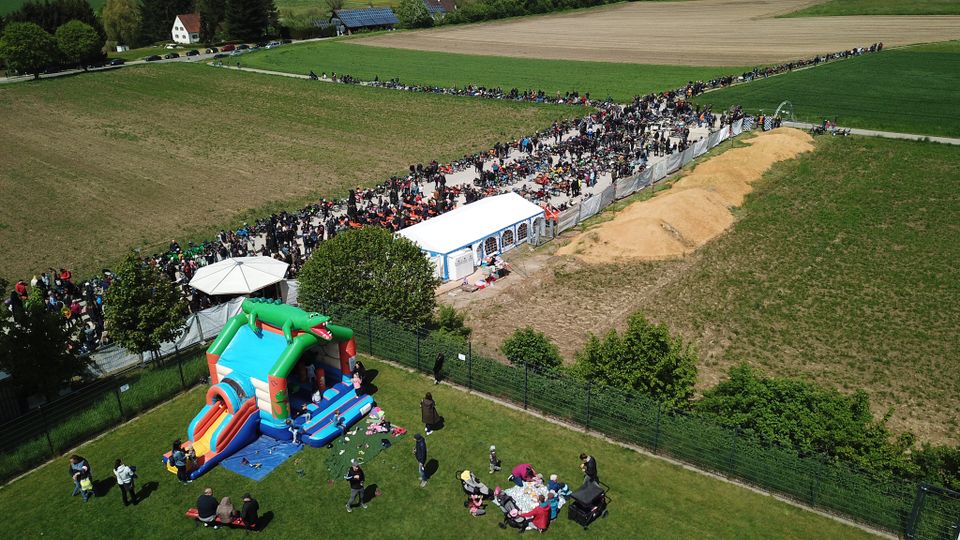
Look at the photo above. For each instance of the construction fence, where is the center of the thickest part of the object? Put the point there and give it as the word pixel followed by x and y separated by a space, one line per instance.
pixel 624 187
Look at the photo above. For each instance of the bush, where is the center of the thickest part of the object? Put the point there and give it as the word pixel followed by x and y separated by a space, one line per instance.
pixel 808 419
pixel 645 359
pixel 528 346
pixel 450 321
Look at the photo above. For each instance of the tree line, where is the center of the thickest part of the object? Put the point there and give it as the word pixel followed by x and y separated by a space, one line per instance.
pixel 137 23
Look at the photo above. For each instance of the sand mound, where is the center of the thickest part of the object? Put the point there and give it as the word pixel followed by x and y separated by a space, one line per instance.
pixel 695 210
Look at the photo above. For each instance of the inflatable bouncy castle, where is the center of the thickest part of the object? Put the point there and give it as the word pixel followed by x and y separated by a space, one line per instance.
pixel 272 368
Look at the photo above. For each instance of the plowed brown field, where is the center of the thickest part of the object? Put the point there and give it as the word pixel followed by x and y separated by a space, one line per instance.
pixel 697 33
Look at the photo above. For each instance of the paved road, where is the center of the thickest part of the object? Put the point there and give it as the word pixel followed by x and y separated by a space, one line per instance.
pixel 884 134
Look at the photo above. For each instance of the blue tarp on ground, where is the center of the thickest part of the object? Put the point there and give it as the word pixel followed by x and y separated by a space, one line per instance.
pixel 266 452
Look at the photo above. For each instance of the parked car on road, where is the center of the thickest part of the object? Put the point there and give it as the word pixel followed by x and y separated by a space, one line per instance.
pixel 193 52
pixel 170 46
pixel 117 62
pixel 168 56
pixel 236 53
pixel 242 47
pixel 221 55
pixel 211 50
pixel 228 47
pixel 153 58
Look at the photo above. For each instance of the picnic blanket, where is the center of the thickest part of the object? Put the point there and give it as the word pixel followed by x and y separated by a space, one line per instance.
pixel 261 457
pixel 526 496
pixel 364 444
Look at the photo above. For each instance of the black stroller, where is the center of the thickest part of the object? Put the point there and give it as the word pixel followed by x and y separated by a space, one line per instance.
pixel 588 503
pixel 511 513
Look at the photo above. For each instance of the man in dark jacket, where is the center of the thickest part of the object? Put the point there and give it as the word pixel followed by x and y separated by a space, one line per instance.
pixel 420 452
pixel 356 478
pixel 589 466
pixel 251 511
pixel 207 509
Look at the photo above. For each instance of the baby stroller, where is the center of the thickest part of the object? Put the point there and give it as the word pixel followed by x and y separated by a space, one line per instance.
pixel 588 503
pixel 511 513
pixel 472 486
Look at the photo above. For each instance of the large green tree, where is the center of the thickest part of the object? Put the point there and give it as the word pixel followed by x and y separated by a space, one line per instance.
pixel 52 14
pixel 531 347
pixel 212 14
pixel 373 270
pixel 247 20
pixel 121 20
pixel 34 349
pixel 79 43
pixel 646 359
pixel 807 418
pixel 413 14
pixel 28 48
pixel 142 307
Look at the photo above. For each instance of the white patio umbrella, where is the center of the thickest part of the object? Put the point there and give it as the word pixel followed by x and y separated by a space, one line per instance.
pixel 239 275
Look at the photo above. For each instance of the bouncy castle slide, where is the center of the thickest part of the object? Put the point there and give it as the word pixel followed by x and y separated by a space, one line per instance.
pixel 265 366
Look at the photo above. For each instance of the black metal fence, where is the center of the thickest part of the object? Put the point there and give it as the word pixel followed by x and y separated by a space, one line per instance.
pixel 818 481
pixel 53 428
pixel 918 511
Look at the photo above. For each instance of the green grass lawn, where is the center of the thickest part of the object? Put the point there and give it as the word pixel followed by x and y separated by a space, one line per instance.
pixel 601 79
pixel 879 7
pixel 843 268
pixel 109 161
pixel 662 500
pixel 910 90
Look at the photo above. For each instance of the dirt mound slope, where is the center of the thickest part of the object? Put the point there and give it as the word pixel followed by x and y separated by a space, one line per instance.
pixel 695 210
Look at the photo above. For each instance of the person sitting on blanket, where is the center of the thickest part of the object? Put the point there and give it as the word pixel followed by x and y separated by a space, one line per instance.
pixel 558 487
pixel 554 502
pixel 540 514
pixel 523 473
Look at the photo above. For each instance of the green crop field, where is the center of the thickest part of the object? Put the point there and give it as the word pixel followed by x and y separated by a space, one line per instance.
pixel 910 90
pixel 601 79
pixel 663 500
pixel 880 7
pixel 109 161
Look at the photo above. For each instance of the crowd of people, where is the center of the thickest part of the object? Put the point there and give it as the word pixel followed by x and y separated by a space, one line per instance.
pixel 555 168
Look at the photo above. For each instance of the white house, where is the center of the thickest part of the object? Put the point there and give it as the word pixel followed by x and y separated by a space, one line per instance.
pixel 457 241
pixel 186 28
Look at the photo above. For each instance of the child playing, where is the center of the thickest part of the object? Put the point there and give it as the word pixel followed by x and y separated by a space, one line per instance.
pixel 86 485
pixel 494 460
pixel 294 429
pixel 475 504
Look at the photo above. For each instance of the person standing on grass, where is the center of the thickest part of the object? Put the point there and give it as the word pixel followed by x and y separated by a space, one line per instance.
pixel 356 477
pixel 438 367
pixel 125 477
pixel 207 508
pixel 78 467
pixel 589 466
pixel 428 413
pixel 179 459
pixel 420 452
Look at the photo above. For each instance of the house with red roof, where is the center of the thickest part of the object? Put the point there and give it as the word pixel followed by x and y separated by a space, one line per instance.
pixel 186 28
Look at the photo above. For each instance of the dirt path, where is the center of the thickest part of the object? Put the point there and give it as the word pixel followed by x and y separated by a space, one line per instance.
pixel 698 33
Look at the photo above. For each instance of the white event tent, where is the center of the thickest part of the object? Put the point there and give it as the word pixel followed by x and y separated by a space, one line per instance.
pixel 459 240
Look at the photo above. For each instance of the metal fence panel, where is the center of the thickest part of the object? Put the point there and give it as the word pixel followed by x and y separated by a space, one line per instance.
pixel 607 196
pixel 590 207
pixel 700 147
pixel 568 218
pixel 626 186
